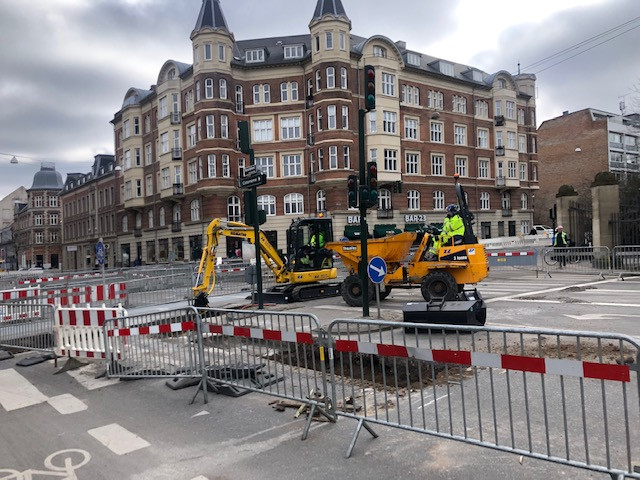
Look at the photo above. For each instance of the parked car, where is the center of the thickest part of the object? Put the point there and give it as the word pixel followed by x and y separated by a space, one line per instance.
pixel 543 230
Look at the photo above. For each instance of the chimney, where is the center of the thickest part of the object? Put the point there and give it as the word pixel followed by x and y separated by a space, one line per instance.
pixel 566 112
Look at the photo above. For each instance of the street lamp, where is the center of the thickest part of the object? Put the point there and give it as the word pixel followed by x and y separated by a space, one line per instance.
pixel 13 160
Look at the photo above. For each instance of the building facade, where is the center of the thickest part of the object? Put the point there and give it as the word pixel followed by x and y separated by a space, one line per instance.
pixel 36 227
pixel 575 146
pixel 89 204
pixel 176 142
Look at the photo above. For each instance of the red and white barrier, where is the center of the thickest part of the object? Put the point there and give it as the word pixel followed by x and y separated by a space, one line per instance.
pixel 57 279
pixel 20 316
pixel 87 294
pixel 19 294
pixel 511 254
pixel 79 331
pixel 549 366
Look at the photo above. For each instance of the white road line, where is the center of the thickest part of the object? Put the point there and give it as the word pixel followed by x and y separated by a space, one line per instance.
pixel 17 392
pixel 432 402
pixel 200 477
pixel 118 439
pixel 66 404
pixel 549 290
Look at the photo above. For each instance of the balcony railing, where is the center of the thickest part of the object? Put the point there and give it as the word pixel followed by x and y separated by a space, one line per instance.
pixel 309 101
pixel 501 181
pixel 137 232
pixel 499 119
pixel 310 139
pixel 176 153
pixel 239 107
pixel 176 226
pixel 178 189
pixel 175 118
pixel 385 213
pixel 506 212
pixel 500 151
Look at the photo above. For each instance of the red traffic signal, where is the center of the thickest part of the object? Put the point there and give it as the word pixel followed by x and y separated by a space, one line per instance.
pixel 372 184
pixel 352 191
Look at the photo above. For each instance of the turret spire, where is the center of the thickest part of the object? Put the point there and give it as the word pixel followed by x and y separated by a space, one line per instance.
pixel 211 16
pixel 329 7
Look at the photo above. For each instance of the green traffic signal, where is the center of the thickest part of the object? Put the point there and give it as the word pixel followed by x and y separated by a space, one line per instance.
pixel 369 88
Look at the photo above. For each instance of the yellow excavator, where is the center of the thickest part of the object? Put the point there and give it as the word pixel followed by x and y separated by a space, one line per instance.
pixel 300 274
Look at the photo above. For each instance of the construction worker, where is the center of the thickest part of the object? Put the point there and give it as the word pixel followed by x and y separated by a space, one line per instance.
pixel 452 232
pixel 319 240
pixel 561 242
pixel 316 242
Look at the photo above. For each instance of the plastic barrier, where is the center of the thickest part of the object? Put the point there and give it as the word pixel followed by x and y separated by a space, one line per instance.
pixel 79 331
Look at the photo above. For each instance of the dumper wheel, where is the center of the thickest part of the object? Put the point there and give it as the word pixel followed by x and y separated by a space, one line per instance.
pixel 386 293
pixel 352 291
pixel 439 285
pixel 481 316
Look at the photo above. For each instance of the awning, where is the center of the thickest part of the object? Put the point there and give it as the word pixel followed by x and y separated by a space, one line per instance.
pixel 380 231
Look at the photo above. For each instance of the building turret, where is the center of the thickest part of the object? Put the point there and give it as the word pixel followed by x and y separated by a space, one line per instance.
pixel 330 27
pixel 212 41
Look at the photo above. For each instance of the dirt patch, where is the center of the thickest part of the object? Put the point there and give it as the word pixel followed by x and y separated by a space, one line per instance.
pixel 579 289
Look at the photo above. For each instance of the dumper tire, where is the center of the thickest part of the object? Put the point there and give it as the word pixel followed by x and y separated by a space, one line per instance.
pixel 439 285
pixel 386 293
pixel 352 291
pixel 481 316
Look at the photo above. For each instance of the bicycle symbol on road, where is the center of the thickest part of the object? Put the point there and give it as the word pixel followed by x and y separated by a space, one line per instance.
pixel 61 464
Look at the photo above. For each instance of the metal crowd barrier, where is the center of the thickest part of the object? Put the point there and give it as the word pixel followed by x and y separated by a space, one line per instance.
pixel 626 259
pixel 158 290
pixel 590 260
pixel 27 326
pixel 157 345
pixel 566 397
pixel 276 353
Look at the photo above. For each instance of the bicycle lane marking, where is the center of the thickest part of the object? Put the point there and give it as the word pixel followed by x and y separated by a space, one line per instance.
pixel 62 468
pixel 118 439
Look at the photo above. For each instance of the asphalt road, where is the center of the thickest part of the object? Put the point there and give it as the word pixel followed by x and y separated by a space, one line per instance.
pixel 106 429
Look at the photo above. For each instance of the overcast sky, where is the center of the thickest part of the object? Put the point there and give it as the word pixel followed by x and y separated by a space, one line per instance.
pixel 65 65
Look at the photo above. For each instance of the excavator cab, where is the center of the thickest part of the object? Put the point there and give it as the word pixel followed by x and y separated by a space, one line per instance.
pixel 306 238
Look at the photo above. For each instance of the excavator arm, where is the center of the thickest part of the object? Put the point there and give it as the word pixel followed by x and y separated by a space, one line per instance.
pixel 206 279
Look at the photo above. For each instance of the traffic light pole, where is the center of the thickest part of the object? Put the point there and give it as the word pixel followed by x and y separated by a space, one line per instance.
pixel 256 233
pixel 364 229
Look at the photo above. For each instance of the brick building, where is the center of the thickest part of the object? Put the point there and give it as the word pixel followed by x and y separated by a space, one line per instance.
pixel 575 146
pixel 176 142
pixel 89 203
pixel 36 227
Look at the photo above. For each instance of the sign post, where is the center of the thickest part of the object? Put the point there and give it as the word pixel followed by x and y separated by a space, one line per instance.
pixel 377 271
pixel 100 257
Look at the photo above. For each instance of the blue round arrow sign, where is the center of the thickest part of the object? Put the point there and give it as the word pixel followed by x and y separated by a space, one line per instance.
pixel 100 253
pixel 377 269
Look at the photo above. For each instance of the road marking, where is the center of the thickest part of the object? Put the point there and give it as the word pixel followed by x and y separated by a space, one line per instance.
pixel 432 402
pixel 200 414
pixel 86 376
pixel 200 477
pixel 548 290
pixel 118 439
pixel 600 316
pixel 17 392
pixel 67 404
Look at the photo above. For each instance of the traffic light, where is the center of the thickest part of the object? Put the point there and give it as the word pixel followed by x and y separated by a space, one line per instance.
pixel 352 189
pixel 369 88
pixel 244 140
pixel 372 184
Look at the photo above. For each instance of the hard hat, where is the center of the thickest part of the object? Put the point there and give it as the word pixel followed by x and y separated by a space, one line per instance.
pixel 559 227
pixel 452 208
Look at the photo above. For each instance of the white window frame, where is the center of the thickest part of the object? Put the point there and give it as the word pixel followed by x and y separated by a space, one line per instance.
pixel 413 200
pixel 390 160
pixel 412 163
pixel 461 166
pixel 460 134
pixel 388 84
pixel 438 200
pixel 485 201
pixel 294 204
pixel 437 165
pixel 268 204
pixel 292 165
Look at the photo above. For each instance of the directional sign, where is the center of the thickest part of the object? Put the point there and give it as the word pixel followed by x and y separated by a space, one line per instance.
pixel 250 170
pixel 377 269
pixel 252 181
pixel 100 253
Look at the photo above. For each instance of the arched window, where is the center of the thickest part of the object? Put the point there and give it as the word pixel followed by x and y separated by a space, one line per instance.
pixel 233 209
pixel 502 83
pixel 162 217
pixel 293 204
pixel 176 217
pixel 524 201
pixel 379 51
pixel 268 204
pixel 150 218
pixel 438 200
pixel 506 200
pixel 208 88
pixel 485 201
pixel 223 88
pixel 195 210
pixel 331 77
pixel 171 74
pixel 125 223
pixel 413 197
pixel 384 199
pixel 321 201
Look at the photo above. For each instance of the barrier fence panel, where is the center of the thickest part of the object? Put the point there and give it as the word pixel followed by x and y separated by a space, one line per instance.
pixel 158 290
pixel 589 260
pixel 626 259
pixel 157 345
pixel 276 353
pixel 526 259
pixel 562 396
pixel 27 326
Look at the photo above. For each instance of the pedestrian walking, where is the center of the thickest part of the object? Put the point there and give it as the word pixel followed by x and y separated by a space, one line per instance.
pixel 560 244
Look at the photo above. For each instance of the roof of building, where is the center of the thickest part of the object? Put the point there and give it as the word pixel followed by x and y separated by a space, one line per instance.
pixel 211 16
pixel 102 165
pixel 47 178
pixel 328 7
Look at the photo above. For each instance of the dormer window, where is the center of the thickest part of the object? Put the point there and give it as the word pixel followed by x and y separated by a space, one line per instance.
pixel 446 68
pixel 293 51
pixel 502 83
pixel 254 56
pixel 379 51
pixel 171 74
pixel 413 59
pixel 477 75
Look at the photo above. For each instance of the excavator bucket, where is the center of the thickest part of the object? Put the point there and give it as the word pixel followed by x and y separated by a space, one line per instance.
pixel 468 309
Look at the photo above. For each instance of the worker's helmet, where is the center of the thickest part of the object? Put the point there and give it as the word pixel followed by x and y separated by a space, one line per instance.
pixel 452 209
pixel 559 227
